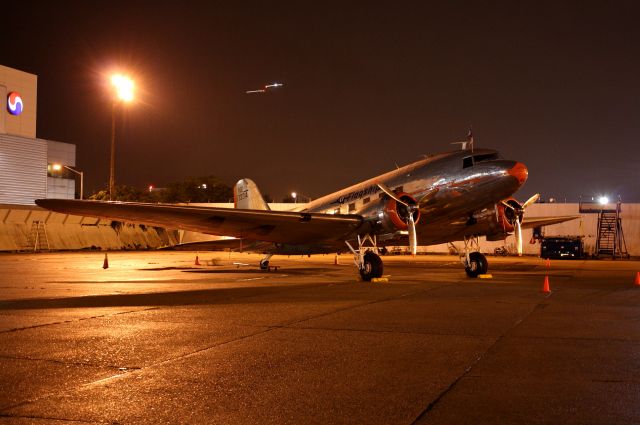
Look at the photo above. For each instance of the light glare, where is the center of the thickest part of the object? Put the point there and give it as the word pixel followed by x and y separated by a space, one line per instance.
pixel 124 87
pixel 603 200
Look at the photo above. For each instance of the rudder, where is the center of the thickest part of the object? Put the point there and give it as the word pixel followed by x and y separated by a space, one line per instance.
pixel 247 196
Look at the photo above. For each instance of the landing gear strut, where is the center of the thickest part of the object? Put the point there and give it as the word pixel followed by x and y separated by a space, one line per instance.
pixel 366 258
pixel 474 262
pixel 264 263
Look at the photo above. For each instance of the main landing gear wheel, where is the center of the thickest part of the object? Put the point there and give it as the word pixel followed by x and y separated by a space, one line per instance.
pixel 371 266
pixel 477 265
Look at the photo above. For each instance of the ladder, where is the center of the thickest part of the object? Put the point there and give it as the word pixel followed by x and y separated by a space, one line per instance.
pixel 610 238
pixel 38 239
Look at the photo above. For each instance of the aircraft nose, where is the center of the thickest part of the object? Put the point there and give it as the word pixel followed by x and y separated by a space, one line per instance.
pixel 520 172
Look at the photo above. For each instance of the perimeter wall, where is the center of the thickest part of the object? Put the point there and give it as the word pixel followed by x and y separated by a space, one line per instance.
pixel 70 232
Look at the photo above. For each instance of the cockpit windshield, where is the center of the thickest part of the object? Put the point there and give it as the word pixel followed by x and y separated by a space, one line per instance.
pixel 469 161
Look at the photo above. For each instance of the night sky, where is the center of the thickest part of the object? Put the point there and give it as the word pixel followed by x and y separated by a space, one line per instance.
pixel 367 85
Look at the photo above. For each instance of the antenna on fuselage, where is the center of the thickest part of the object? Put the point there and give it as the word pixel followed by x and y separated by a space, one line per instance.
pixel 466 144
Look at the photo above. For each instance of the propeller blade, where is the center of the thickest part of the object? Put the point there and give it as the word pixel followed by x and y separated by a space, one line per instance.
pixel 518 229
pixel 428 196
pixel 507 205
pixel 531 200
pixel 413 238
pixel 391 194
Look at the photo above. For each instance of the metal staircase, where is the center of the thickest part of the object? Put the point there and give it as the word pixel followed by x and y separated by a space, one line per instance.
pixel 38 239
pixel 610 239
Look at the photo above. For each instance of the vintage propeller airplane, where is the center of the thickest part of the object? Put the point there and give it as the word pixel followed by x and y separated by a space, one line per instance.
pixel 453 196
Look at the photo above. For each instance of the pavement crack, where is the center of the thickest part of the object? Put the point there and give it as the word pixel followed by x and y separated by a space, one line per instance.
pixel 80 319
pixel 47 418
pixel 477 360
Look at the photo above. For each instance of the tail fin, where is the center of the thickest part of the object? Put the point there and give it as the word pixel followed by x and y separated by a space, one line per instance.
pixel 247 196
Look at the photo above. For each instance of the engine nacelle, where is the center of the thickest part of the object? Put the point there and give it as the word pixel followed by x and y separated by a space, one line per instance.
pixel 394 215
pixel 505 219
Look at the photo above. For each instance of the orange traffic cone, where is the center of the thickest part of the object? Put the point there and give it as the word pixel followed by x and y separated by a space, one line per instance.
pixel 637 282
pixel 545 286
pixel 105 265
pixel 197 263
pixel 548 263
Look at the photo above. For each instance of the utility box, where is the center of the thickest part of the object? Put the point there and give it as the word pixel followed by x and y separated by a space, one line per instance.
pixel 562 247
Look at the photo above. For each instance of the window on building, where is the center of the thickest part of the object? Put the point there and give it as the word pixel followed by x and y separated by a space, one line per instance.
pixel 352 207
pixel 366 200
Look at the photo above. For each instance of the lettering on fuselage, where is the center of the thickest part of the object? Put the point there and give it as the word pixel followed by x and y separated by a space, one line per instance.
pixel 357 194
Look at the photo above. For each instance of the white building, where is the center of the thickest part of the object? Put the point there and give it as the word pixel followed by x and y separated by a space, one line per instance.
pixel 30 168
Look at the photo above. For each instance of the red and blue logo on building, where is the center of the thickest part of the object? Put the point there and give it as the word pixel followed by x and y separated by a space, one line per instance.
pixel 14 103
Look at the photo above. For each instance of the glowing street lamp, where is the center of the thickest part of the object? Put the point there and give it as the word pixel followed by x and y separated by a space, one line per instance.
pixel 295 197
pixel 123 86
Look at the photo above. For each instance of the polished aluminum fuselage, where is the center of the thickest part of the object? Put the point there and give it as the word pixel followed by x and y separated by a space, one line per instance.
pixel 464 204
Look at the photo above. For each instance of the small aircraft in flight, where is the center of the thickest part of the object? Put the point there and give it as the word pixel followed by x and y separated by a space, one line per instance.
pixel 452 196
pixel 265 88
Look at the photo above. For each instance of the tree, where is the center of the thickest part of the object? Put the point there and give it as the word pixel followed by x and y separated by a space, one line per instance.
pixel 123 193
pixel 193 189
pixel 197 189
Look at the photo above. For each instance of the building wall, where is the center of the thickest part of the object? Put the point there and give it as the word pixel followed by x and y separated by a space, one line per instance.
pixel 61 153
pixel 27 86
pixel 59 188
pixel 23 170
pixel 61 184
pixel 25 160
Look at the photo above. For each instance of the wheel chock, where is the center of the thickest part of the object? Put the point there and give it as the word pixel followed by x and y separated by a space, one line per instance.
pixel 485 276
pixel 380 280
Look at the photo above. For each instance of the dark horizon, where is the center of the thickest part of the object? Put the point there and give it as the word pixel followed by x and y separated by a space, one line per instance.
pixel 366 86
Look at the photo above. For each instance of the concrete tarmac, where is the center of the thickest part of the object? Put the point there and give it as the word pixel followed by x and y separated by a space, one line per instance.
pixel 156 339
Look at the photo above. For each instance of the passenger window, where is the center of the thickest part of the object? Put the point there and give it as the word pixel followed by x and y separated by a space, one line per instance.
pixel 352 207
pixel 467 162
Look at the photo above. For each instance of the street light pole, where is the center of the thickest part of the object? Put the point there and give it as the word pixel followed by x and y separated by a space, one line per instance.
pixel 112 165
pixel 81 174
pixel 124 93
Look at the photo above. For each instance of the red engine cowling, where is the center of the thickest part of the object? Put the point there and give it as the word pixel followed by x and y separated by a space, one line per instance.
pixel 394 215
pixel 505 219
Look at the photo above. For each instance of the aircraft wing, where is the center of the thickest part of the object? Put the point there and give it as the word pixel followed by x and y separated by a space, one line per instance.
pixel 531 222
pixel 270 226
